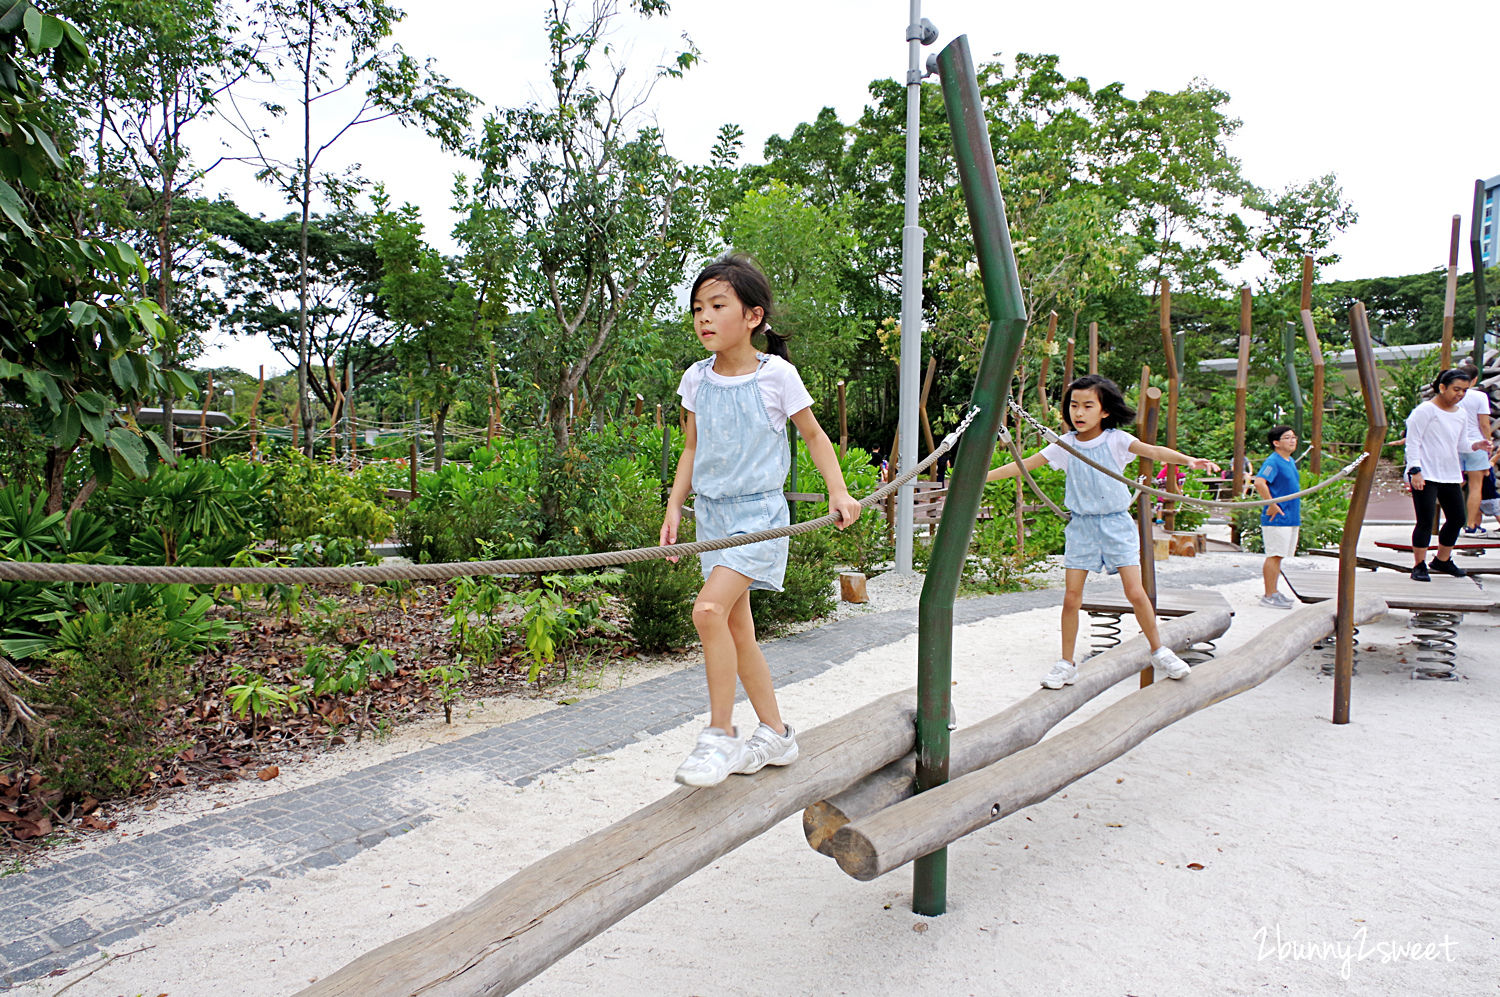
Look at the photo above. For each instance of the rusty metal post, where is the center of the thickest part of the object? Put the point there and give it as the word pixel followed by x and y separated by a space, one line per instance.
pixel 1359 501
pixel 1320 375
pixel 1148 417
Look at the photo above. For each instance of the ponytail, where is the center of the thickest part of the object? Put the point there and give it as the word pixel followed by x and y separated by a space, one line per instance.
pixel 775 342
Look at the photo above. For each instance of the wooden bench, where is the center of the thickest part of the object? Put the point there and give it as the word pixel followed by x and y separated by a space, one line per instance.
pixel 928 499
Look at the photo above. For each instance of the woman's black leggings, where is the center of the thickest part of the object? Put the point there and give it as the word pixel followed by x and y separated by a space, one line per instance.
pixel 1450 495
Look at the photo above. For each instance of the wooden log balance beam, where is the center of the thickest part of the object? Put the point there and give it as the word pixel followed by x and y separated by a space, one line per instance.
pixel 898 834
pixel 1019 726
pixel 519 928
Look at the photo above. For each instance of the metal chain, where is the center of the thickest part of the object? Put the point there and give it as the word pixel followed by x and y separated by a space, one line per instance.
pixel 1052 437
pixel 41 571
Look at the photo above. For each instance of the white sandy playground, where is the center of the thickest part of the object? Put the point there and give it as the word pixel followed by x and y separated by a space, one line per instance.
pixel 1358 859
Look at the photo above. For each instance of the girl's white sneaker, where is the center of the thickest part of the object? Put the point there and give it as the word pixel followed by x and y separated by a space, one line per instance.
pixel 1167 660
pixel 1063 673
pixel 766 747
pixel 716 754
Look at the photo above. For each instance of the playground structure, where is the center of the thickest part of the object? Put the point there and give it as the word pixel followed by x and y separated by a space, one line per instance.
pixel 890 783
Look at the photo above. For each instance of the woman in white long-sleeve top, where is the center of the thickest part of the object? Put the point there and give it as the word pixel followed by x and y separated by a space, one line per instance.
pixel 1436 432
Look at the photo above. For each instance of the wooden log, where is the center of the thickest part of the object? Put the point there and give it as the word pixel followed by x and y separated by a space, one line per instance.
pixel 1174 386
pixel 1093 347
pixel 1018 726
pixel 924 823
pixel 1068 362
pixel 843 423
pixel 1241 390
pixel 1314 347
pixel 1041 381
pixel 852 587
pixel 557 903
pixel 1183 544
pixel 1450 294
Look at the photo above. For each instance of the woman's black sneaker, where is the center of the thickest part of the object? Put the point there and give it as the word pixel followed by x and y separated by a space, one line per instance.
pixel 1419 573
pixel 1448 568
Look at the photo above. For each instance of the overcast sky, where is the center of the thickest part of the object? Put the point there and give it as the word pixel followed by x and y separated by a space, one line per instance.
pixel 1398 101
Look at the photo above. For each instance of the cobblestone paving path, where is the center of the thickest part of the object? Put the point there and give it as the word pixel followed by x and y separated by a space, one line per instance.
pixel 57 915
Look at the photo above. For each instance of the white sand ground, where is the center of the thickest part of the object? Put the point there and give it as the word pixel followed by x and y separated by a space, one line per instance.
pixel 1356 859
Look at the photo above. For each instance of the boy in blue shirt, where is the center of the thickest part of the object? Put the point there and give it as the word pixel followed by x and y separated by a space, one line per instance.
pixel 1279 522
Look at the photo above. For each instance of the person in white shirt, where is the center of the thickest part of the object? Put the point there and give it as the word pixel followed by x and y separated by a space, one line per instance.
pixel 1476 405
pixel 1436 432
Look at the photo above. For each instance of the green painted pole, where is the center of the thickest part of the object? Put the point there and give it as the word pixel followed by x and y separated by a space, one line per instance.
pixel 997 365
pixel 1476 257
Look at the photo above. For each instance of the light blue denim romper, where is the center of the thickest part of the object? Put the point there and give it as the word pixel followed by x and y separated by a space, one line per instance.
pixel 1101 535
pixel 739 470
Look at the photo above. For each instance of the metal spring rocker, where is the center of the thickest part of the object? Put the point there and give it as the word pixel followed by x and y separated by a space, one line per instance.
pixel 1435 648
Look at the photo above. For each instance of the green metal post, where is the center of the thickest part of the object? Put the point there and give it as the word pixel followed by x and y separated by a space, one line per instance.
pixel 1476 257
pixel 997 364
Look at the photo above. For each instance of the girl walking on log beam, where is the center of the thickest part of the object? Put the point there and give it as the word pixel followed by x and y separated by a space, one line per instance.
pixel 1438 432
pixel 735 457
pixel 1101 536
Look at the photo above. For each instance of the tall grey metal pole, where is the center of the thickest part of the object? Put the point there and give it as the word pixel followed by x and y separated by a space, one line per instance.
pixel 919 32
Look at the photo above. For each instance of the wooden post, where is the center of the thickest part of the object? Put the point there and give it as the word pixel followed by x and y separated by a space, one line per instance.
pixel 254 420
pixel 203 418
pixel 1241 389
pixel 411 471
pixel 1068 363
pixel 640 404
pixel 1015 422
pixel 1476 260
pixel 1149 415
pixel 1093 347
pixel 296 422
pixel 1041 381
pixel 843 423
pixel 922 408
pixel 1359 501
pixel 1169 509
pixel 1450 293
pixel 1315 460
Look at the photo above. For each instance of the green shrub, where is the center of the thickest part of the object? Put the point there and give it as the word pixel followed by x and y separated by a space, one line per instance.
pixel 659 597
pixel 106 703
pixel 808 590
pixel 306 498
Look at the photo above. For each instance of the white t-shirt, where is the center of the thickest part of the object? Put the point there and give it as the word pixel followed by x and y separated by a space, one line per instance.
pixel 1115 453
pixel 1434 439
pixel 781 387
pixel 1476 402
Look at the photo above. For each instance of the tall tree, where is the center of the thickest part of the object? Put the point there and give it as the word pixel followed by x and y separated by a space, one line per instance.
pixel 78 346
pixel 160 66
pixel 311 37
pixel 604 218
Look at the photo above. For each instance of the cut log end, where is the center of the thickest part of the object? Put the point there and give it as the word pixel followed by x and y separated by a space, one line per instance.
pixel 820 822
pixel 855 854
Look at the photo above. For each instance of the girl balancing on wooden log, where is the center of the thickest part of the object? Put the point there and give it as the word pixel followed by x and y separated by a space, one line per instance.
pixel 1438 433
pixel 1101 536
pixel 735 458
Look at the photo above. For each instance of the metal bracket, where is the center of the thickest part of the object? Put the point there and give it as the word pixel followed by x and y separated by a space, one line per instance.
pixel 925 32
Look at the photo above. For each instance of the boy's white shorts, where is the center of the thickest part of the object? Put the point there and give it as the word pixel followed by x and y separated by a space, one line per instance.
pixel 1280 541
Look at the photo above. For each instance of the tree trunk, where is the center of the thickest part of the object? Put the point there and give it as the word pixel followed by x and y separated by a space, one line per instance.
pixel 302 344
pixel 438 428
pixel 55 475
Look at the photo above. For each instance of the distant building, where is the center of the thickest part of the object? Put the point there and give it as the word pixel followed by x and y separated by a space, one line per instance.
pixel 1489 232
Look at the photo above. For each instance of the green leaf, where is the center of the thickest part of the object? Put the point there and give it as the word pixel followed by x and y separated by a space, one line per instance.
pixel 14 208
pixel 101 465
pixel 129 449
pixel 123 372
pixel 51 32
pixel 32 20
pixel 10 13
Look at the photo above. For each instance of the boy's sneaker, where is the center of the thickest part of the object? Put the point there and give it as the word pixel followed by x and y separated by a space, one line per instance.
pixel 1419 573
pixel 1276 601
pixel 716 754
pixel 1167 660
pixel 1476 532
pixel 1063 673
pixel 766 747
pixel 1448 568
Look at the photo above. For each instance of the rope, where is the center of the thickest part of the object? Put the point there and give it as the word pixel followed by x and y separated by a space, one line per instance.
pixel 1052 437
pixel 1020 459
pixel 41 571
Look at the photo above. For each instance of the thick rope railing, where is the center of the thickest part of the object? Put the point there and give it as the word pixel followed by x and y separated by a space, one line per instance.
pixel 1052 437
pixel 156 574
pixel 1020 459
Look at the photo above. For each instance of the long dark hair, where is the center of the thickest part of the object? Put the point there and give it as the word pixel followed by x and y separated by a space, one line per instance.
pixel 1116 409
pixel 1450 375
pixel 750 285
